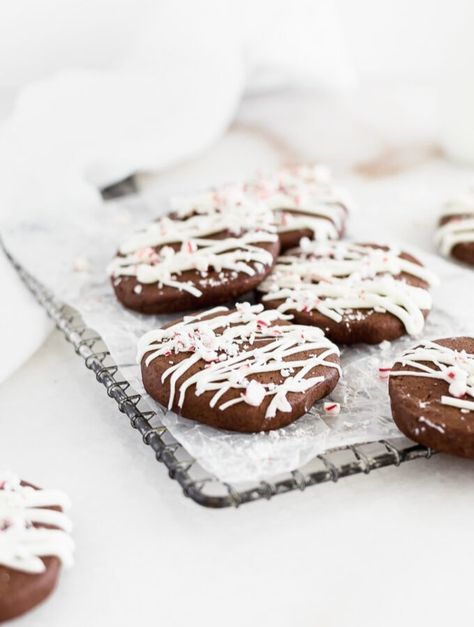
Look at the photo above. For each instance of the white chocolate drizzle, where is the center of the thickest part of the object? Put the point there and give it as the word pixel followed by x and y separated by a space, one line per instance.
pixel 22 544
pixel 301 198
pixel 231 342
pixel 454 367
pixel 148 256
pixel 334 278
pixel 459 228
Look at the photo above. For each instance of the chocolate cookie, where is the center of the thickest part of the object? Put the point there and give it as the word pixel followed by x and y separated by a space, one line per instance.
pixel 455 234
pixel 432 395
pixel 188 262
pixel 34 541
pixel 244 370
pixel 354 292
pixel 305 202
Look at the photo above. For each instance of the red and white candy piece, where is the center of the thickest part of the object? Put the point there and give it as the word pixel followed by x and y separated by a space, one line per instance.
pixel 254 393
pixel 457 378
pixel 189 247
pixel 384 371
pixel 147 255
pixel 333 409
pixel 284 217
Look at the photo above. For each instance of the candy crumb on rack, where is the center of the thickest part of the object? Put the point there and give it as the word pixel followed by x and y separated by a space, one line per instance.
pixel 334 409
pixel 384 371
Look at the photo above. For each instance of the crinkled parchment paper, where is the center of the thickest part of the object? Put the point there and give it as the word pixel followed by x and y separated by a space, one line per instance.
pixel 70 254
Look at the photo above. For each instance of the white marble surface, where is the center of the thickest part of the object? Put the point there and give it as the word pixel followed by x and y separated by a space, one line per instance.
pixel 391 548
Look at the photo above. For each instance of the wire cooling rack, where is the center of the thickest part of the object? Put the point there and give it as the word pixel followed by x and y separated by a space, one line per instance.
pixel 195 481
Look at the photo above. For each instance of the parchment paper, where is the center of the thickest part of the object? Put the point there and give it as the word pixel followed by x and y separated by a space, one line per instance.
pixel 69 254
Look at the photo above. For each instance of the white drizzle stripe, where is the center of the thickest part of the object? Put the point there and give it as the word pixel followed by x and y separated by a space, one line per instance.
pixel 454 367
pixel 226 342
pixel 334 277
pixel 21 544
pixel 322 229
pixel 460 228
pixel 456 231
pixel 460 403
pixel 460 205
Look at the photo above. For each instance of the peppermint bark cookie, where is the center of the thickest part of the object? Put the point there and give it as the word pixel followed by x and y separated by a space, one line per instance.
pixel 432 395
pixel 455 234
pixel 197 260
pixel 244 369
pixel 354 292
pixel 305 202
pixel 34 542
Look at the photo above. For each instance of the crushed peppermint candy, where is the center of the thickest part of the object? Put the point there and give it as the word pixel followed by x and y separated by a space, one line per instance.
pixel 254 393
pixel 189 247
pixel 166 248
pixel 334 409
pixel 341 280
pixel 384 371
pixel 454 367
pixel 249 348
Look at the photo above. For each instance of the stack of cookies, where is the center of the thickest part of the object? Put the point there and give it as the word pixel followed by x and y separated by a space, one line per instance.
pixel 254 367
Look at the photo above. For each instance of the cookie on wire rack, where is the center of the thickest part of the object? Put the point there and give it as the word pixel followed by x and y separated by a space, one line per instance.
pixel 244 369
pixel 304 200
pixel 306 203
pixel 356 293
pixel 34 543
pixel 455 233
pixel 431 391
pixel 201 258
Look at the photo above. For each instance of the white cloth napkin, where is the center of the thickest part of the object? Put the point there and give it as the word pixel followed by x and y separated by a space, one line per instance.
pixel 107 89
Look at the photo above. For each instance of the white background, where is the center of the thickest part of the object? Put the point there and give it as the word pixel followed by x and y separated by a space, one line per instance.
pixel 394 547
pixel 391 548
pixel 387 39
pixel 406 40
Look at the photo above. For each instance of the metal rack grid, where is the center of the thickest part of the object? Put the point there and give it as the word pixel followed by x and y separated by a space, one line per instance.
pixel 196 482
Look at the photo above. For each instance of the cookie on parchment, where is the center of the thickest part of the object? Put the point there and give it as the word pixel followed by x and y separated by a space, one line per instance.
pixel 304 200
pixel 34 543
pixel 354 292
pixel 244 369
pixel 195 260
pixel 432 395
pixel 455 234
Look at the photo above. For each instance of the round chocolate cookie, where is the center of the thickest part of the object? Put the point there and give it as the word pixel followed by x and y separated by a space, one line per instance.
pixel 431 391
pixel 34 541
pixel 455 234
pixel 305 202
pixel 193 261
pixel 244 369
pixel 354 292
